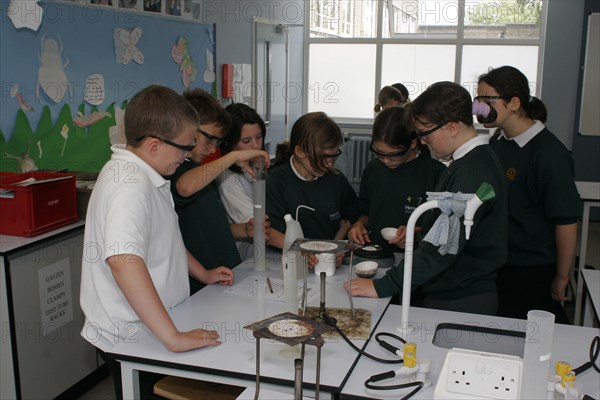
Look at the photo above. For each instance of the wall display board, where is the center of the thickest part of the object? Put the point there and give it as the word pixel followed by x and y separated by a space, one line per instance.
pixel 67 72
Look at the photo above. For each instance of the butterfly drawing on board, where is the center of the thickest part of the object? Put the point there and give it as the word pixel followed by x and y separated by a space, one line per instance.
pixel 181 56
pixel 126 45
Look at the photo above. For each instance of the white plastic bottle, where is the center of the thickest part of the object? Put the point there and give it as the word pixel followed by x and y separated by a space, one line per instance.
pixel 292 263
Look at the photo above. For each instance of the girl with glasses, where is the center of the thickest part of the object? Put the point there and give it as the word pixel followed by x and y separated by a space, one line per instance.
pixel 306 175
pixel 464 281
pixel 544 205
pixel 402 166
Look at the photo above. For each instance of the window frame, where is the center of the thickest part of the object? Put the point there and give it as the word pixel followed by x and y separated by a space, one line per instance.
pixel 459 41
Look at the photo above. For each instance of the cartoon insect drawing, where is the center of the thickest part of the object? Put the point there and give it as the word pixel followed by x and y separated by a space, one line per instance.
pixel 82 121
pixel 24 162
pixel 51 74
pixel 181 56
pixel 125 45
pixel 23 105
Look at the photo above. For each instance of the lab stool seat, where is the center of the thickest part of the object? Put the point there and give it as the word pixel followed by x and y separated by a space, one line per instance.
pixel 176 388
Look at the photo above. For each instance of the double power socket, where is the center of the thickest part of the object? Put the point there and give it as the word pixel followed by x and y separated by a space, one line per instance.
pixel 468 374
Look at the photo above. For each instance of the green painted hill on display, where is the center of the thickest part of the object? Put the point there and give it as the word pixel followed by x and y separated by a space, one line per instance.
pixel 86 149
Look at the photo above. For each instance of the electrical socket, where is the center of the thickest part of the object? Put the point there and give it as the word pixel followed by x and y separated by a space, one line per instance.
pixel 468 374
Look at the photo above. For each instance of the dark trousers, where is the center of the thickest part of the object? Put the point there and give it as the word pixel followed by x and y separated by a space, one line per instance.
pixel 115 373
pixel 524 288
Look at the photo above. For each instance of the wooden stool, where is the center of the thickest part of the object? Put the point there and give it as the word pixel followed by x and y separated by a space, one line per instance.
pixel 176 388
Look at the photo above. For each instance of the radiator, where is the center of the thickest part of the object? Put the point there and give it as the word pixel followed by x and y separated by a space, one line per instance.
pixel 357 147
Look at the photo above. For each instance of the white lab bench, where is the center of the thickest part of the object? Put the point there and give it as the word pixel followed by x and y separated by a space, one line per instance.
pixel 570 344
pixel 590 195
pixel 42 353
pixel 343 372
pixel 233 361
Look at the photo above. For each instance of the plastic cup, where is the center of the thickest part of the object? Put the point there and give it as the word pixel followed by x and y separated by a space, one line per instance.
pixel 325 263
pixel 536 357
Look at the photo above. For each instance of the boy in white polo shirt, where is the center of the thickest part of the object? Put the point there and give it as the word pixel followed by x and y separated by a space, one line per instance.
pixel 135 266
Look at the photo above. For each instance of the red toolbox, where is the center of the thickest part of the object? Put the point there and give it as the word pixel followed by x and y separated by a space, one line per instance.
pixel 48 200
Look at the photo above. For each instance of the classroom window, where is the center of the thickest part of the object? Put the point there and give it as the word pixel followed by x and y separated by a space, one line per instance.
pixel 505 19
pixel 424 18
pixel 335 87
pixel 403 22
pixel 355 47
pixel 418 64
pixel 476 60
pixel 343 18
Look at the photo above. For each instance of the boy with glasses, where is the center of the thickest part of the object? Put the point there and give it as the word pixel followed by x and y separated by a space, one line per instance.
pixel 135 266
pixel 206 231
pixel 465 281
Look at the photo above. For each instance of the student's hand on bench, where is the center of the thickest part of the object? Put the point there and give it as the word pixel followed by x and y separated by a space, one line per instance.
pixel 362 287
pixel 221 275
pixel 194 339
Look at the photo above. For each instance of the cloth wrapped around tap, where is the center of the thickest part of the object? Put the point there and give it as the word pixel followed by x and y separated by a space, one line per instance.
pixel 445 232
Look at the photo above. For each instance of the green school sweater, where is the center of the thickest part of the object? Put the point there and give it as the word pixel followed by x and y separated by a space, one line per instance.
pixel 204 224
pixel 331 196
pixel 542 194
pixel 473 269
pixel 389 196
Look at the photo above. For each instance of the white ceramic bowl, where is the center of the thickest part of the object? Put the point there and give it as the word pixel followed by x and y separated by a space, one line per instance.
pixel 366 269
pixel 388 233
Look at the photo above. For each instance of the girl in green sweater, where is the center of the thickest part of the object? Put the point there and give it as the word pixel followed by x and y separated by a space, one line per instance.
pixel 544 205
pixel 465 281
pixel 395 182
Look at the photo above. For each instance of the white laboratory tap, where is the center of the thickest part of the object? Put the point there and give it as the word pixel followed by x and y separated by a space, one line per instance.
pixel 483 194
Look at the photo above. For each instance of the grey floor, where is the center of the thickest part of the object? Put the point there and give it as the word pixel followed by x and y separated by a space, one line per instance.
pixel 104 390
